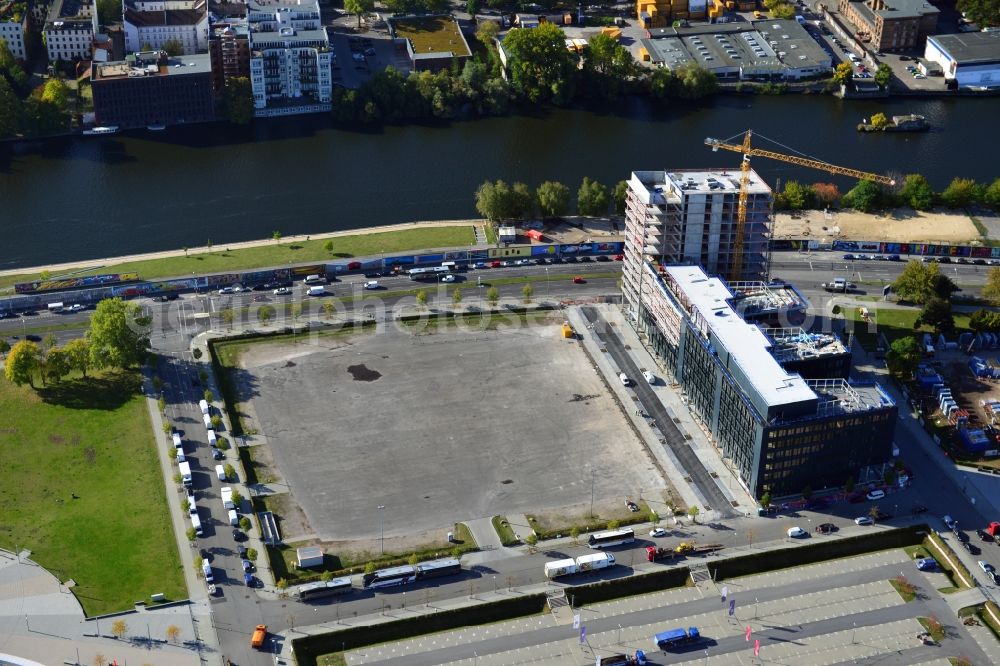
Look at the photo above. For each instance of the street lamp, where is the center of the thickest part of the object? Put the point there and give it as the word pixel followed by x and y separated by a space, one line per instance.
pixel 546 281
pixel 381 533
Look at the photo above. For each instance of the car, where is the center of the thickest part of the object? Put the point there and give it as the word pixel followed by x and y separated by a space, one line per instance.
pixel 506 264
pixel 557 260
pixel 657 532
pixel 578 279
pixel 282 291
pixel 632 506
pixel 585 259
pixel 949 521
pixel 961 536
pixel 260 298
pixel 248 579
pixel 944 260
pixel 247 565
pixel 239 536
pixel 894 257
pixel 856 499
pixel 33 338
pixel 983 535
pixel 919 508
pixel 448 278
pixel 370 52
pixel 480 264
pixel 227 290
pixel 242 550
pixel 76 307
pixel 986 567
pixel 918 75
pixel 927 564
pixel 875 495
pixel 496 264
pixel 217 454
pixel 372 274
pixel 863 520
pixel 623 378
pixel 905 58
pixel 371 284
pixel 979 262
pixel 849 257
pixel 522 262
pixel 880 516
pixel 971 548
pixel 354 266
pixel 619 257
pixel 826 528
pixel 797 533
pixel 649 377
pixel 570 260
pixel 602 258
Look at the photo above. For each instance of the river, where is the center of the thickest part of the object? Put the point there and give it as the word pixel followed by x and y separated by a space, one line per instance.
pixel 97 197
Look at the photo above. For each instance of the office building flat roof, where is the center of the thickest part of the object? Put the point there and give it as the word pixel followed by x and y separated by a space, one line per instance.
pixel 838 396
pixel 970 48
pixel 756 299
pixel 654 187
pixel 144 64
pixel 290 35
pixel 431 34
pixel 747 346
pixel 795 344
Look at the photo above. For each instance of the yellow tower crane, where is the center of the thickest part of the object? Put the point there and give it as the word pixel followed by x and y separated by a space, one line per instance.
pixel 748 152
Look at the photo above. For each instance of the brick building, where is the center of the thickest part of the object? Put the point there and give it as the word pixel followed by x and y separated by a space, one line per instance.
pixel 891 25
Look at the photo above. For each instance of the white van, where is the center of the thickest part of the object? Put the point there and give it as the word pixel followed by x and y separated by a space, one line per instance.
pixel 234 518
pixel 317 291
pixel 180 456
pixel 177 441
pixel 196 524
pixel 204 406
pixel 315 279
pixel 192 506
pixel 207 420
pixel 212 438
pixel 371 284
pixel 206 569
pixel 220 472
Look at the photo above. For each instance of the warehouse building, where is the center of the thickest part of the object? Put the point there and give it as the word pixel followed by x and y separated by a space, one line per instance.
pixel 690 217
pixel 780 432
pixel 763 51
pixel 891 25
pixel 969 59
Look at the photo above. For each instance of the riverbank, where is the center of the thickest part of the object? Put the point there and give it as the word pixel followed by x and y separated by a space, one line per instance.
pixel 265 253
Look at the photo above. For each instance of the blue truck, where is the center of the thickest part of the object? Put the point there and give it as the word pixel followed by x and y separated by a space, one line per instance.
pixel 670 639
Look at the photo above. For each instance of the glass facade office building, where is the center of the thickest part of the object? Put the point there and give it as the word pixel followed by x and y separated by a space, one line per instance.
pixel 781 433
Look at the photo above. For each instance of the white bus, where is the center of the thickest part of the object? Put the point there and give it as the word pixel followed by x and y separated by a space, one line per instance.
pixel 432 273
pixel 55 307
pixel 324 589
pixel 611 538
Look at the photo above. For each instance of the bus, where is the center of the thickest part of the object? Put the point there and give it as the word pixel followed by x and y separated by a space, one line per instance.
pixel 432 273
pixel 324 589
pixel 389 577
pixel 438 568
pixel 611 538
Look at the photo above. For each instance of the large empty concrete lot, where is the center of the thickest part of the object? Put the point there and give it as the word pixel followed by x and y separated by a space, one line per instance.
pixel 442 427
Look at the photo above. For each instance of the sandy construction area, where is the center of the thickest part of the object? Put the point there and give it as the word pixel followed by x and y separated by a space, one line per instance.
pixel 901 225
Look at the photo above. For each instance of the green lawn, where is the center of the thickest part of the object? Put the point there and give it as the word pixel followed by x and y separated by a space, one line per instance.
pixel 895 323
pixel 282 254
pixel 431 34
pixel 81 488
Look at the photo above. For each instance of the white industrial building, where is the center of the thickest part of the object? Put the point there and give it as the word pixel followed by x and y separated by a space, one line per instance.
pixel 969 59
pixel 151 24
pixel 761 51
pixel 12 32
pixel 290 58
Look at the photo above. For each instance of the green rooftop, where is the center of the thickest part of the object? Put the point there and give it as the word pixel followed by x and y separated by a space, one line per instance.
pixel 432 34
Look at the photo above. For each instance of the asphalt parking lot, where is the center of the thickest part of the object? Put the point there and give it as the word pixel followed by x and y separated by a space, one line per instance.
pixel 442 427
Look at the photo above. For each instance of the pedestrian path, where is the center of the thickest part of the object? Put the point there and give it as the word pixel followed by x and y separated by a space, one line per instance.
pixel 488 541
pixel 480 234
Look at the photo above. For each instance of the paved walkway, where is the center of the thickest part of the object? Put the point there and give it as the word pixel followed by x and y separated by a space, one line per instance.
pixel 490 546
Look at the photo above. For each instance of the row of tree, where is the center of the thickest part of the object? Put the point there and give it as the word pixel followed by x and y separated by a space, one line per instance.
pixel 117 338
pixel 913 191
pixel 500 201
pixel 38 112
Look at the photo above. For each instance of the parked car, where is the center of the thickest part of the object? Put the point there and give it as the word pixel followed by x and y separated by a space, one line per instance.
pixel 863 520
pixel 578 279
pixel 826 528
pixel 632 506
pixel 239 536
pixel 247 565
pixel 227 290
pixel 623 378
pixel 971 548
pixel 480 264
pixel 448 278
pixel 495 264
pixel 927 564
pixel 986 567
pixel 649 377
pixel 983 535
pixel 797 533
pixel 282 291
pixel 875 495
pixel 371 284
pixel 657 532
pixel 602 257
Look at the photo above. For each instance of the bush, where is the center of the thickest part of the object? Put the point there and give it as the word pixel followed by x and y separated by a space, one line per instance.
pixel 252 554
pixel 191 534
pixel 245 524
pixel 196 353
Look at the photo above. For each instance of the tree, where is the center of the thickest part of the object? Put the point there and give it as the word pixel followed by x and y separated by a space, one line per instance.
pixel 991 290
pixel 109 12
pixel 527 291
pixel 22 362
pixel 917 192
pixel 208 396
pixel 456 297
pixel 689 81
pixel 238 100
pixel 118 335
pixel 492 296
pixel 328 247
pixel 173 47
pixel 10 110
pixel 245 524
pixel 916 282
pixel 493 200
pixel 883 75
pixel 865 196
pixel 100 660
pixel 943 287
pixel 553 199
pixel 541 68
pixel 370 567
pixel 522 201
pixel 486 33
pixel 359 7
pixel 326 576
pixel 961 192
pixel 797 196
pixel 984 13
pixel 619 195
pixel 119 628
pixel 592 198
pixel 4 347
pixel 472 7
pixel 227 317
pixel 826 193
pixel 608 67
pixel 276 235
pixel 421 297
pixel 173 633
pixel 282 584
pixel 880 121
pixel 328 309
pixel 57 364
pixel 903 357
pixel 843 74
pixel 783 10
pixel 78 354
pixel 693 513
pixel 765 500
pixel 574 533
pixel 412 559
pixel 265 314
pixel 937 314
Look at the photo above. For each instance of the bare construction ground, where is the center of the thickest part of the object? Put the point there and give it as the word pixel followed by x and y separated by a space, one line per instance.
pixel 901 225
pixel 441 427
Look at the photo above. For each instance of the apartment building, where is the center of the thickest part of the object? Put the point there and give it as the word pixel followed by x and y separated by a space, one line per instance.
pixel 151 24
pixel 780 433
pixel 13 23
pixel 690 217
pixel 290 58
pixel 70 39
pixel 229 49
pixel 891 25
